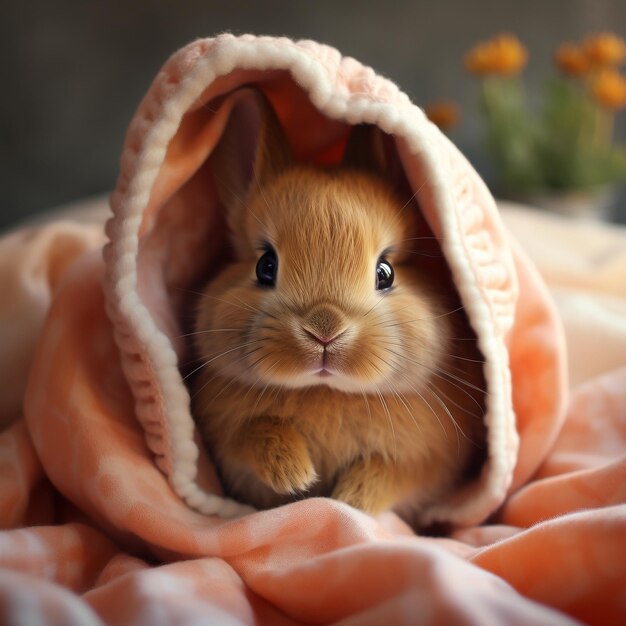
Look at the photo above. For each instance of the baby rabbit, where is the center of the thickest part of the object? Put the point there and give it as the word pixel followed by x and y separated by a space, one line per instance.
pixel 331 365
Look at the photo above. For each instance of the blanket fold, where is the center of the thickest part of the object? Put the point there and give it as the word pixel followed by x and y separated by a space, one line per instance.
pixel 112 507
pixel 168 224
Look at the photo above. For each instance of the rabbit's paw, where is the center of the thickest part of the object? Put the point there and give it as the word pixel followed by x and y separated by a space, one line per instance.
pixel 280 456
pixel 365 485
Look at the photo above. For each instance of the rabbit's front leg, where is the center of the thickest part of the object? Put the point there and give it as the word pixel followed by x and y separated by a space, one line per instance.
pixel 371 484
pixel 274 449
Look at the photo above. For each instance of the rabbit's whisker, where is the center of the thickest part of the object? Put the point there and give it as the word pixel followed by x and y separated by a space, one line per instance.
pixel 439 372
pixel 244 306
pixel 260 396
pixel 225 387
pixel 243 345
pixel 258 362
pixel 403 344
pixel 385 317
pixel 390 421
pixel 456 404
pixel 406 204
pixel 212 330
pixel 467 393
pixel 417 239
pixel 367 407
pixel 377 303
pixel 396 391
pixel 387 413
pixel 457 428
pixel 398 394
pixel 416 392
pixel 217 374
pixel 232 380
pixel 436 373
pixel 419 253
pixel 253 365
pixel 422 319
pixel 464 358
pixel 462 381
pixel 463 339
pixel 255 309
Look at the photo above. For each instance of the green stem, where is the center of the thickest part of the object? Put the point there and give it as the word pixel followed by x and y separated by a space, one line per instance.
pixel 603 138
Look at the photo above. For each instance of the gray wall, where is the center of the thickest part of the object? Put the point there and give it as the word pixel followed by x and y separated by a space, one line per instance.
pixel 74 71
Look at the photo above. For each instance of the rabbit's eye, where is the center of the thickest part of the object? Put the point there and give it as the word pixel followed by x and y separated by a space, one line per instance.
pixel 266 268
pixel 384 274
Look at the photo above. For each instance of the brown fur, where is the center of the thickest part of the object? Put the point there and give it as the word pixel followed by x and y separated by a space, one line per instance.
pixel 400 418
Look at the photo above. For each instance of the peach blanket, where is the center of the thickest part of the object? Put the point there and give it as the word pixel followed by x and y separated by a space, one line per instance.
pixel 110 505
pixel 553 554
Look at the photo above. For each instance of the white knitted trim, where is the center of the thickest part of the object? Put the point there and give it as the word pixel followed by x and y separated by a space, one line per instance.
pixel 400 118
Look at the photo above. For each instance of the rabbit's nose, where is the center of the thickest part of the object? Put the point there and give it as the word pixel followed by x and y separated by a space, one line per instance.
pixel 325 324
pixel 322 339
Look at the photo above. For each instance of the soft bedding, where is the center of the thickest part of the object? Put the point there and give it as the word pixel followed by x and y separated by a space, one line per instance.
pixel 112 510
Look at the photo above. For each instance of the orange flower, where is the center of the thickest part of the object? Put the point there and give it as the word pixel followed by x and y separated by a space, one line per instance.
pixel 605 49
pixel 609 89
pixel 443 114
pixel 503 54
pixel 571 60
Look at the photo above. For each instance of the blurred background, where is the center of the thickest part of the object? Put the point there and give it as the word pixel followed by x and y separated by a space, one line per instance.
pixel 74 71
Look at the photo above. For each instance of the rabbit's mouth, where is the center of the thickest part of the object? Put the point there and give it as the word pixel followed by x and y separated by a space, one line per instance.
pixel 324 372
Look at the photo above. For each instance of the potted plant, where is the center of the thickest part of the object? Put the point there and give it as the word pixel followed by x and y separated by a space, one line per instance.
pixel 562 157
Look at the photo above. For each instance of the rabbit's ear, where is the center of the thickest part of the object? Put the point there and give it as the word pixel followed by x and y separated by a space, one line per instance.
pixel 371 150
pixel 251 152
pixel 366 149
